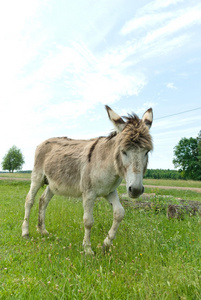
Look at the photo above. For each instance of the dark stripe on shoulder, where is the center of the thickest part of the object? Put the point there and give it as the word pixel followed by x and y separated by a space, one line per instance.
pixel 92 149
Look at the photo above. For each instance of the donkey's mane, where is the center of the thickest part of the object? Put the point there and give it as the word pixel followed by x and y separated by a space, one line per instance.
pixel 132 118
pixel 135 133
pixel 111 135
pixel 128 118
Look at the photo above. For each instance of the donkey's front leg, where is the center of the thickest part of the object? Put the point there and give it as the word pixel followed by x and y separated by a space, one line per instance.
pixel 118 214
pixel 88 204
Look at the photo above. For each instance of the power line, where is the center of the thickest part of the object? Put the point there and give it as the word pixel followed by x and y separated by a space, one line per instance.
pixel 183 112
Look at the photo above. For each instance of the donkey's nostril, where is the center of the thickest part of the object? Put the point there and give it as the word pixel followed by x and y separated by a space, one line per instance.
pixel 135 192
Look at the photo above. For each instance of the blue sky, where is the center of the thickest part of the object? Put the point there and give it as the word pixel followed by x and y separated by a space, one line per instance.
pixel 62 61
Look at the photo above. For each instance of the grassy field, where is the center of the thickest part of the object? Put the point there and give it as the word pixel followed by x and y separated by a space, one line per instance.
pixel 16 175
pixel 152 257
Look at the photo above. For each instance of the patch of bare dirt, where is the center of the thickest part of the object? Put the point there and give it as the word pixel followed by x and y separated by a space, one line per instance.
pixel 174 188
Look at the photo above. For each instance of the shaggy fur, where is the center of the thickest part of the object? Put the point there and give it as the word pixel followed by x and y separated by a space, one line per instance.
pixel 136 134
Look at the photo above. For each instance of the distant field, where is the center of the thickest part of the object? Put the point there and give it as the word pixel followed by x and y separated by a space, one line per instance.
pixel 169 182
pixel 15 175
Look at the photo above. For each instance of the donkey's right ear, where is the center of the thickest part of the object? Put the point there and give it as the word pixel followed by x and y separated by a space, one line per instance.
pixel 148 117
pixel 118 122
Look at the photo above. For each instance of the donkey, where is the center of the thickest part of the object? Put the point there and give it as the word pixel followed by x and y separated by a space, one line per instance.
pixel 92 168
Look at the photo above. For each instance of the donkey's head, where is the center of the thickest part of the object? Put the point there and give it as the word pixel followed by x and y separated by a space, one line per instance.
pixel 133 143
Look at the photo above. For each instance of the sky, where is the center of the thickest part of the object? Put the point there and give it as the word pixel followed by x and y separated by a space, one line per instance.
pixel 62 61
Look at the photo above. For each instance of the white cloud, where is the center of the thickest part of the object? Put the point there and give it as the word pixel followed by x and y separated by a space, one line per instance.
pixel 177 122
pixel 86 77
pixel 158 4
pixel 159 24
pixel 171 86
pixel 146 105
pixel 109 87
pixel 185 19
pixel 14 15
pixel 17 46
pixel 151 15
pixel 146 21
pixel 160 27
pixel 86 80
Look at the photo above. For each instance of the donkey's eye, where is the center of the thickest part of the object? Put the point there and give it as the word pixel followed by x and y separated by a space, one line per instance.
pixel 146 153
pixel 124 152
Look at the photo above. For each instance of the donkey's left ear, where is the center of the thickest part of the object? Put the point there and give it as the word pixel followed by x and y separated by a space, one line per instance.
pixel 118 122
pixel 148 117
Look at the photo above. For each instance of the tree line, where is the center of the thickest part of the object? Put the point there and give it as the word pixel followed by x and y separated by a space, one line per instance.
pixel 163 174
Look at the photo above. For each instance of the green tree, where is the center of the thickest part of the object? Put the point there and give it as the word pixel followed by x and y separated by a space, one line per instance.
pixel 13 160
pixel 187 156
pixel 199 145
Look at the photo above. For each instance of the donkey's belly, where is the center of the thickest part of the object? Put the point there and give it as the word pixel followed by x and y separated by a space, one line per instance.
pixel 65 189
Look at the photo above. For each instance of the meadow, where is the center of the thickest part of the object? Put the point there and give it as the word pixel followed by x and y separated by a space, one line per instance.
pixel 152 257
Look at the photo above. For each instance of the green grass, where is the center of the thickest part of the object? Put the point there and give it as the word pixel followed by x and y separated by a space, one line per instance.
pixel 183 194
pixel 152 257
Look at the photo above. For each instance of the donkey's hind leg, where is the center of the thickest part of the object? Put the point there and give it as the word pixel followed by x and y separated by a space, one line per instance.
pixel 118 214
pixel 35 186
pixel 43 203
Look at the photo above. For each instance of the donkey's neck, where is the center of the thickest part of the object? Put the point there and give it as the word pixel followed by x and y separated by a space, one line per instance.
pixel 111 153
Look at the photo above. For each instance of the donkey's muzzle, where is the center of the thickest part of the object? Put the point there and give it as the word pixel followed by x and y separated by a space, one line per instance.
pixel 134 192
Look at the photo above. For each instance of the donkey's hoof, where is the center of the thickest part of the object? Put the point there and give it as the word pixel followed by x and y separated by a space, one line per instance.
pixel 105 248
pixel 45 232
pixel 88 251
pixel 42 231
